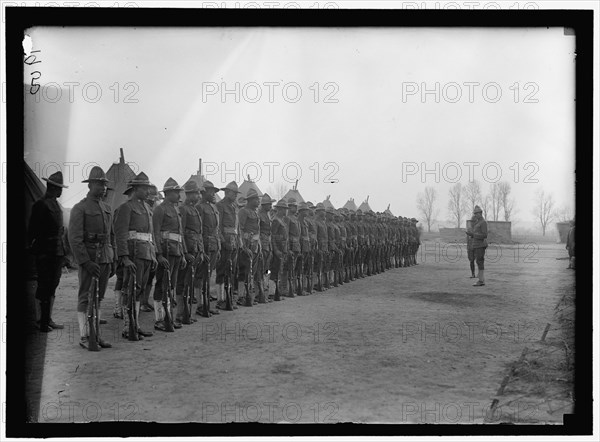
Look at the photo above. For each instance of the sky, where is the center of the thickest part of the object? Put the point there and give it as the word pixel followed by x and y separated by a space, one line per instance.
pixel 351 112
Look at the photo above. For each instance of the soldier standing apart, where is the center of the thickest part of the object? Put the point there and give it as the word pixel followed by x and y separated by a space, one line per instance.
pixel 571 245
pixel 191 225
pixel 230 241
pixel 279 241
pixel 92 240
pixel 135 242
pixel 264 265
pixel 209 215
pixel 46 241
pixel 470 252
pixel 249 223
pixel 170 251
pixel 479 234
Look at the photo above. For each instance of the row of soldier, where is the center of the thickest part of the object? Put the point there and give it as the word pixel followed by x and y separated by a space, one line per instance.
pixel 299 246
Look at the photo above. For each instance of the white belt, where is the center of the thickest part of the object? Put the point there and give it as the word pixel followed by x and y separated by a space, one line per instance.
pixel 171 236
pixel 140 236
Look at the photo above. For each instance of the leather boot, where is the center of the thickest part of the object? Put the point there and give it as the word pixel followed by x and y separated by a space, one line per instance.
pixel 51 323
pixel 45 317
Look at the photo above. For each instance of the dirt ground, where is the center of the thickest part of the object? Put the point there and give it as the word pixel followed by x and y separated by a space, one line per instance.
pixel 411 345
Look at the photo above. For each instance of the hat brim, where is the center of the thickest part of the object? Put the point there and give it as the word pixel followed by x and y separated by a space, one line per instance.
pixel 54 183
pixel 90 180
pixel 225 188
pixel 268 202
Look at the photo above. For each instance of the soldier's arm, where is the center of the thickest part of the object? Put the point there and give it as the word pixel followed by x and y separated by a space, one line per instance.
pixel 75 235
pixel 180 217
pixel 157 219
pixel 35 222
pixel 122 229
pixel 483 233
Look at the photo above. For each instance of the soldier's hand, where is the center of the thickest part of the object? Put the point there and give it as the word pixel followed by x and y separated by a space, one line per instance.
pixel 154 264
pixel 92 267
pixel 183 263
pixel 218 255
pixel 128 263
pixel 189 257
pixel 163 261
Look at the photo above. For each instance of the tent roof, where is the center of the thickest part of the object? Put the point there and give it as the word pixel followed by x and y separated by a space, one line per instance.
pixel 294 193
pixel 350 205
pixel 388 211
pixel 327 203
pixel 364 207
pixel 118 174
pixel 247 185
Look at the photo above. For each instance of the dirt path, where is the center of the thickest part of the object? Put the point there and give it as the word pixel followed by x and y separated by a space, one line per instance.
pixel 411 345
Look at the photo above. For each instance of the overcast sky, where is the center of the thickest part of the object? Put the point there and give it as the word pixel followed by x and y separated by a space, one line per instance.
pixel 365 125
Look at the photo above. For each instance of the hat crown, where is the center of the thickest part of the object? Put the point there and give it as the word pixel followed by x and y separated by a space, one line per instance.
pixel 292 202
pixel 266 199
pixel 140 178
pixel 191 186
pixel 252 193
pixel 96 174
pixel 281 203
pixel 477 209
pixel 231 186
pixel 56 179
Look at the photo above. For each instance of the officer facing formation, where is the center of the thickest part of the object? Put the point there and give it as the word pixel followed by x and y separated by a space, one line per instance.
pixel 479 235
pixel 46 242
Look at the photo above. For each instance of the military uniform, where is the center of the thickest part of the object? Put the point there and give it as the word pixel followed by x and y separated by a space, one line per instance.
pixel 92 238
pixel 322 259
pixel 279 242
pixel 46 239
pixel 135 239
pixel 249 223
pixel 294 251
pixel 209 215
pixel 264 264
pixel 570 246
pixel 479 234
pixel 166 220
pixel 191 226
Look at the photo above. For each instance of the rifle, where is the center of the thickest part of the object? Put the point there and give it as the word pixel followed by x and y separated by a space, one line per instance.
pixel 131 310
pixel 300 277
pixel 188 293
pixel 227 285
pixel 248 280
pixel 167 295
pixel 291 274
pixel 206 275
pixel 92 313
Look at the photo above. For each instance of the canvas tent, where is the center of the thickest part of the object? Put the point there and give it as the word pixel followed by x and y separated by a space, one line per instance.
pixel 247 185
pixel 350 205
pixel 388 211
pixel 199 179
pixel 34 190
pixel 294 193
pixel 327 203
pixel 119 174
pixel 364 207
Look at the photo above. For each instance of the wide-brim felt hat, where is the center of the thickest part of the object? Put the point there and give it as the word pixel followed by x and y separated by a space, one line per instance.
pixel 209 185
pixel 477 209
pixel 96 174
pixel 310 205
pixel 302 206
pixel 56 179
pixel 171 184
pixel 252 194
pixel 282 204
pixel 266 199
pixel 231 186
pixel 292 202
pixel 191 186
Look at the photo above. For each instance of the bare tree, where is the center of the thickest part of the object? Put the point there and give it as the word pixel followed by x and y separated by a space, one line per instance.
pixel 563 214
pixel 485 206
pixel 456 205
pixel 495 204
pixel 278 190
pixel 506 203
pixel 543 209
pixel 425 204
pixel 473 194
